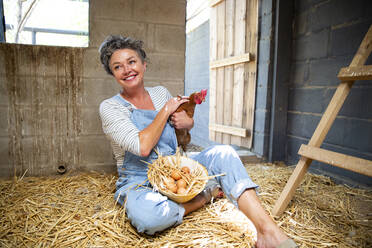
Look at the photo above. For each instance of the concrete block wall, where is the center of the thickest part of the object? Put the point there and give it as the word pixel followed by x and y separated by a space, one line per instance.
pixel 49 96
pixel 264 78
pixel 197 78
pixel 327 34
pixel 161 25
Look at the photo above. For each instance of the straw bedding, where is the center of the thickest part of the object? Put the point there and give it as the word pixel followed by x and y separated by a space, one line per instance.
pixel 79 211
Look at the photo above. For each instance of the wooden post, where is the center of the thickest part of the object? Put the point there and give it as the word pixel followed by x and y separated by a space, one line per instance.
pixel 323 127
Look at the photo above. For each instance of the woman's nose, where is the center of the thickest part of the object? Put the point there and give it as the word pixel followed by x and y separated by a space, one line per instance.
pixel 126 69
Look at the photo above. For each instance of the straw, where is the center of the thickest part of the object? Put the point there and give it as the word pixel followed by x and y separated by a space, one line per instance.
pixel 77 211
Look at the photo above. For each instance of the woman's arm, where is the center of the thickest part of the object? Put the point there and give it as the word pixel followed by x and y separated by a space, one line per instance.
pixel 150 135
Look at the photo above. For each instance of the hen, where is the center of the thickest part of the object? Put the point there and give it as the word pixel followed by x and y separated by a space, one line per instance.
pixel 183 135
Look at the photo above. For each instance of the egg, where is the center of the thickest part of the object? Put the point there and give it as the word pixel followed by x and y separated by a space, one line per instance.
pixel 176 175
pixel 181 183
pixel 168 181
pixel 181 191
pixel 172 187
pixel 185 170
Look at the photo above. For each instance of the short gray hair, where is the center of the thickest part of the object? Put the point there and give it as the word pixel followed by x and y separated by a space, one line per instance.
pixel 117 42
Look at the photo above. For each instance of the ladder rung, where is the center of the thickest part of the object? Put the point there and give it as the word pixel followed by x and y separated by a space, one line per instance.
pixel 347 162
pixel 355 73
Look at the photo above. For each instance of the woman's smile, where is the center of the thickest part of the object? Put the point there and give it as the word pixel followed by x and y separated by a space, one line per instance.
pixel 127 68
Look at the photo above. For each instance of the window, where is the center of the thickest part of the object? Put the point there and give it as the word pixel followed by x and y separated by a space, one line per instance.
pixel 47 22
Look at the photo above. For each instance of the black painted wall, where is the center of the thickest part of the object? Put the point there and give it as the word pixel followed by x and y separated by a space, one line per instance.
pixel 326 35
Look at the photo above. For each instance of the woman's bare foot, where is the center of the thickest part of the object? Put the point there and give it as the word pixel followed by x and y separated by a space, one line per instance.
pixel 272 237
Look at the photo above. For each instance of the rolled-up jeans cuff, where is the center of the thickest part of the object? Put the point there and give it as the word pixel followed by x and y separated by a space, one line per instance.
pixel 181 213
pixel 240 187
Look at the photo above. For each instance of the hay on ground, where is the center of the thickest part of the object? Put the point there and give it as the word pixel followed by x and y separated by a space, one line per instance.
pixel 80 211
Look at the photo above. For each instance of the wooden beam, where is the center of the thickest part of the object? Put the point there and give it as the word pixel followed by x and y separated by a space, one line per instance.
pixel 213 3
pixel 323 127
pixel 355 73
pixel 238 131
pixel 292 184
pixel 351 163
pixel 230 61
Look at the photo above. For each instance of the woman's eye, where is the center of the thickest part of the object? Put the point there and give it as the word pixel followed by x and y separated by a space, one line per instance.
pixel 132 62
pixel 116 67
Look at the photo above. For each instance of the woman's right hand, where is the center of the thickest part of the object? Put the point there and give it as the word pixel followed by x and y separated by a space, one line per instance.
pixel 171 106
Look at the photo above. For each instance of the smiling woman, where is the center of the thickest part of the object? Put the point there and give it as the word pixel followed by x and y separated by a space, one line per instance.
pixel 45 22
pixel 137 122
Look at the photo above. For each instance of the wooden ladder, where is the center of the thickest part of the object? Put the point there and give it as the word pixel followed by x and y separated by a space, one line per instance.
pixel 312 151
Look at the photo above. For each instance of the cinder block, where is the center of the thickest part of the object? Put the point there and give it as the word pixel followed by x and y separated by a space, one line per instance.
pixel 299 73
pixel 4 152
pixel 262 102
pixel 261 121
pixel 92 65
pixel 99 30
pixel 266 29
pixel 112 9
pixel 293 145
pixel 260 145
pixel 4 122
pixel 2 61
pixel 91 122
pixel 170 38
pixel 324 15
pixel 358 135
pixel 323 72
pixel 266 7
pixel 169 66
pixel 264 51
pixel 263 74
pixel 301 22
pixel 301 124
pixel 174 87
pixel 312 100
pixel 4 96
pixel 97 90
pixel 312 46
pixel 95 149
pixel 6 171
pixel 346 40
pixel 358 104
pixel 161 11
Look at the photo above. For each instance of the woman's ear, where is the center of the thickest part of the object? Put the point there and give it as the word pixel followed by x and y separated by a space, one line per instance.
pixel 144 65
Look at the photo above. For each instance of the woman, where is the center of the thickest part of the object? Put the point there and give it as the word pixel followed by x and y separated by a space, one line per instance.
pixel 136 121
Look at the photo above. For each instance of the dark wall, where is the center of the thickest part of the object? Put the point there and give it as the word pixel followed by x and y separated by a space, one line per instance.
pixel 326 35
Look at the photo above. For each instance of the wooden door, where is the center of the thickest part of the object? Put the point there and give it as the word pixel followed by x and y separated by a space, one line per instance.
pixel 233 66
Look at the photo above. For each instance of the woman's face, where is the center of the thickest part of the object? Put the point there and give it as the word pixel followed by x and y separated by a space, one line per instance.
pixel 127 68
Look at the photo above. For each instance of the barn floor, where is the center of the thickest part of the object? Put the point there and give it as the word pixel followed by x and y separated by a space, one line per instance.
pixel 79 211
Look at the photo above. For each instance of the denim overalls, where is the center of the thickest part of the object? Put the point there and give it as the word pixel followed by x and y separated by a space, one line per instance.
pixel 150 211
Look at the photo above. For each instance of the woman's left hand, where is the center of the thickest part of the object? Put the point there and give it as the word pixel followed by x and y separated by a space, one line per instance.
pixel 181 120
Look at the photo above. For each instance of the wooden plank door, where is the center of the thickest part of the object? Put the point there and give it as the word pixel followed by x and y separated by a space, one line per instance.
pixel 233 66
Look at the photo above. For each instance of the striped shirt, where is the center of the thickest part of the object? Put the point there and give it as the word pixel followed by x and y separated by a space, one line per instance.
pixel 119 128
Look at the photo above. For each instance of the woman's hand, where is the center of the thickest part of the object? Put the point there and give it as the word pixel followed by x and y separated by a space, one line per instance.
pixel 150 135
pixel 181 120
pixel 171 106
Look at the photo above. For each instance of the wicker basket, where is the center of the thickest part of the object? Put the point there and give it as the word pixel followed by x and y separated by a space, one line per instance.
pixel 163 165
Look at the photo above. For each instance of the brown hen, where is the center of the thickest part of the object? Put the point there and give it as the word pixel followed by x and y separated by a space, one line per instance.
pixel 183 135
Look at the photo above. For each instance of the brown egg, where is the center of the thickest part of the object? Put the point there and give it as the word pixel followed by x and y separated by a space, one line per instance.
pixel 176 175
pixel 181 183
pixel 181 191
pixel 172 187
pixel 185 170
pixel 168 181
